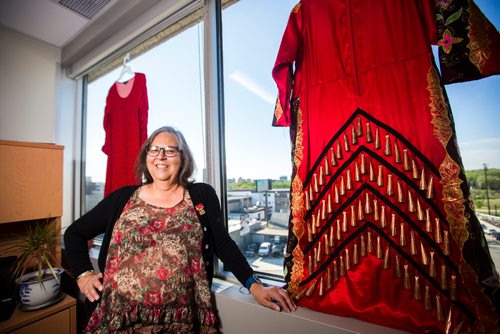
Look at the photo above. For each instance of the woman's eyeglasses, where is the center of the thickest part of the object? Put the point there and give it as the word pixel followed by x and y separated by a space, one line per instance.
pixel 168 151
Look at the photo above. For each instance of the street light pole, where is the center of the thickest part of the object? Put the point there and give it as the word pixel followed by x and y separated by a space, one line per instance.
pixel 487 187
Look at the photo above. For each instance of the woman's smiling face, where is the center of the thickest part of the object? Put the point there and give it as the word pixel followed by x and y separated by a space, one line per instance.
pixel 161 167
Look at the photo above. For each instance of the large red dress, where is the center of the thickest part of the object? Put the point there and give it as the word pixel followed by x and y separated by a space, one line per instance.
pixel 125 124
pixel 382 226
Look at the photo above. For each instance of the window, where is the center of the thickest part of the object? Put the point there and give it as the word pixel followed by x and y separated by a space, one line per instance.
pixel 174 77
pixel 257 155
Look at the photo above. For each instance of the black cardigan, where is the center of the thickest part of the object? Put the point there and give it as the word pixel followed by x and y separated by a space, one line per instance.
pixel 102 218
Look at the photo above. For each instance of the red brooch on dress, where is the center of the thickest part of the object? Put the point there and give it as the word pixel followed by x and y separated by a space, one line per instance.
pixel 199 207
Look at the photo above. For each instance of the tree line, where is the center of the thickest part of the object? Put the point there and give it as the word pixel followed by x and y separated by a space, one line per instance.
pixel 477 179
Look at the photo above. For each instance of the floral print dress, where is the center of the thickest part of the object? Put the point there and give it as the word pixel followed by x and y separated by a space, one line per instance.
pixel 155 279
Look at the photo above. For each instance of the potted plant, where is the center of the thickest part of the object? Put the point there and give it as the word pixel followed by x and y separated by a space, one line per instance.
pixel 41 287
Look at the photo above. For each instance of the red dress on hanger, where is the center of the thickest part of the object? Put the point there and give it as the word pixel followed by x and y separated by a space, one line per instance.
pixel 382 227
pixel 125 124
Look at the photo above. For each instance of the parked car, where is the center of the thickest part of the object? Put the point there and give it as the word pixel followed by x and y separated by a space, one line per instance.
pixel 277 249
pixel 265 249
pixel 492 231
pixel 252 248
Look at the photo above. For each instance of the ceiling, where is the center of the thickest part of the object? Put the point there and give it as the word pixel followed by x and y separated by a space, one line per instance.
pixel 50 20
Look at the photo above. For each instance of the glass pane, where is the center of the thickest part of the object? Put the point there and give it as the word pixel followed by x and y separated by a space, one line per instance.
pixel 174 77
pixel 258 155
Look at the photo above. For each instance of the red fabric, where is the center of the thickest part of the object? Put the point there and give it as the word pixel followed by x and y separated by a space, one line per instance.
pixel 125 124
pixel 344 64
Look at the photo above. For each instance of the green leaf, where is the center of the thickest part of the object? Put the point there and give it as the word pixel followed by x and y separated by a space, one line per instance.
pixel 453 17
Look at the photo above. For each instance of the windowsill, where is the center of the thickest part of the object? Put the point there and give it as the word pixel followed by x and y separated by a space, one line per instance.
pixel 240 313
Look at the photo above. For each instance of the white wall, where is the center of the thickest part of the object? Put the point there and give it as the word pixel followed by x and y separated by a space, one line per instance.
pixel 28 70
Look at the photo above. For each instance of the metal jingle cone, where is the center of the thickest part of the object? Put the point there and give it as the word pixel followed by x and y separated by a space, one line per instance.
pixel 402 235
pixel 406 277
pixel 437 231
pixel 333 158
pixel 313 224
pixel 361 213
pixel 354 136
pixel 390 189
pixel 315 183
pixel 428 224
pixel 423 254
pixel 336 274
pixel 355 257
pixel 339 231
pixel 414 170
pixel 453 287
pixel 327 167
pixel 311 288
pixel 347 148
pixel 357 173
pixel 439 309
pixel 347 260
pixel 397 266
pixel 376 215
pixel 336 195
pixel 342 186
pixel 423 183
pixel 387 150
pixel 369 136
pixel 413 244
pixel 369 246
pixel 321 291
pixel 339 151
pixel 427 299
pixel 327 246
pixel 323 210
pixel 417 293
pixel 411 204
pixel 359 128
pixel 377 139
pixel 329 284
pixel 383 217
pixel 443 279
pixel 397 154
pixel 315 258
pixel 319 253
pixel 446 239
pixel 378 248
pixel 310 265
pixel 321 178
pixel 363 164
pixel 371 171
pixel 406 161
pixel 311 193
pixel 430 188
pixel 432 265
pixel 329 208
pixel 332 236
pixel 354 223
pixel 380 177
pixel 348 180
pixel 387 258
pixel 309 233
pixel 363 246
pixel 448 324
pixel 342 266
pixel 393 225
pixel 299 295
pixel 420 211
pixel 368 207
pixel 308 202
pixel 344 222
pixel 401 198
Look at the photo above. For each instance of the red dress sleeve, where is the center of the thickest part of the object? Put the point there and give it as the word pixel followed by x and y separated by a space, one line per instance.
pixel 283 67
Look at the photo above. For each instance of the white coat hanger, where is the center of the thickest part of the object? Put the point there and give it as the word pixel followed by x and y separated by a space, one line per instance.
pixel 126 74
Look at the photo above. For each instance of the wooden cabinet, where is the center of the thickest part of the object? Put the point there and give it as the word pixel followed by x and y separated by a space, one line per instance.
pixel 31 177
pixel 59 318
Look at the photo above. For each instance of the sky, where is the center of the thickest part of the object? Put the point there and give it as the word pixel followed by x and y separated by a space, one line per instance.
pixel 255 149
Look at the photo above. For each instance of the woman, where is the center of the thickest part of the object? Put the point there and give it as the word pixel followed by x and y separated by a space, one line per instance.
pixel 156 260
